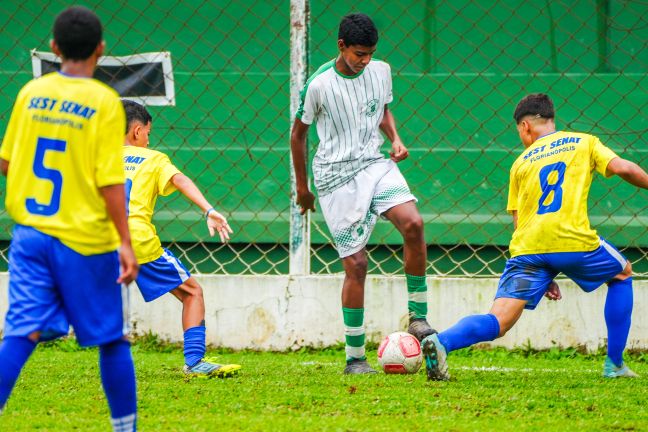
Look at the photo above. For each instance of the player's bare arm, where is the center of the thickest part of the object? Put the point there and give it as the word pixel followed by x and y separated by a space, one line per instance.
pixel 115 198
pixel 305 198
pixel 388 125
pixel 216 222
pixel 628 171
pixel 4 167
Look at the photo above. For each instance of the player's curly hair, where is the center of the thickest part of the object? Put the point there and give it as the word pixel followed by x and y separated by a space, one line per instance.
pixel 536 104
pixel 358 29
pixel 77 32
pixel 135 113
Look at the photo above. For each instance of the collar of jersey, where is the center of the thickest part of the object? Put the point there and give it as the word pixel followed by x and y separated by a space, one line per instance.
pixel 71 76
pixel 348 76
pixel 545 135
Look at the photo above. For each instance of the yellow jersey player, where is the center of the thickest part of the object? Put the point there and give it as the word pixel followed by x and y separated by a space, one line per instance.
pixel 149 174
pixel 61 154
pixel 548 191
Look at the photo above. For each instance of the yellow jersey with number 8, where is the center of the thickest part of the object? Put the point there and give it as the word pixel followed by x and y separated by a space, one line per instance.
pixel 548 188
pixel 64 142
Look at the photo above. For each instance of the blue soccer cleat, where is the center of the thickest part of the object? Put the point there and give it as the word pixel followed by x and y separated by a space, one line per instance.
pixel 435 356
pixel 206 368
pixel 610 370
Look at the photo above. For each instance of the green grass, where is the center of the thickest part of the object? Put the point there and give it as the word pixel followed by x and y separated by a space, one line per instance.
pixel 59 389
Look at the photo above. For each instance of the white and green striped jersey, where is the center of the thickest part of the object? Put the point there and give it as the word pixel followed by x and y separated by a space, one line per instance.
pixel 348 111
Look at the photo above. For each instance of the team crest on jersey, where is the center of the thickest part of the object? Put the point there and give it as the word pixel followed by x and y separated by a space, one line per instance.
pixel 372 108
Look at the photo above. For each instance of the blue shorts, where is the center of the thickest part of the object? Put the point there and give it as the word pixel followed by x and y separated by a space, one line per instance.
pixel 527 277
pixel 158 277
pixel 51 286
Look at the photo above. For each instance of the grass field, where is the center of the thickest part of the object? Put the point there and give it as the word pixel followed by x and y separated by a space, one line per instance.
pixel 490 390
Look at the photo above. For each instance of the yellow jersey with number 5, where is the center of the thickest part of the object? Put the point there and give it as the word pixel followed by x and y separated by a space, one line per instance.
pixel 548 188
pixel 64 142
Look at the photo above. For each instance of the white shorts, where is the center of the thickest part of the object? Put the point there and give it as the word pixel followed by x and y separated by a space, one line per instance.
pixel 351 211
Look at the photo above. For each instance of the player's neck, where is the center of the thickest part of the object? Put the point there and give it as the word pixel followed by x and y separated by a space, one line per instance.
pixel 78 68
pixel 342 67
pixel 542 132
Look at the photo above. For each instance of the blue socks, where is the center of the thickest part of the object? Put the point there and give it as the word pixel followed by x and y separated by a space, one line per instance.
pixel 14 353
pixel 618 312
pixel 470 330
pixel 118 379
pixel 194 345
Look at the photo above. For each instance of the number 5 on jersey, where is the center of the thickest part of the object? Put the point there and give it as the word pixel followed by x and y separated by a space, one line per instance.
pixel 49 174
pixel 547 188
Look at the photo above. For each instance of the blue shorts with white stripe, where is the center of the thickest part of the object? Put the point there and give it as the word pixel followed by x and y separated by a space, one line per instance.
pixel 527 277
pixel 158 277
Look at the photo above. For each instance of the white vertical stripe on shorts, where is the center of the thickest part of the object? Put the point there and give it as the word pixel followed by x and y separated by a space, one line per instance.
pixel 617 256
pixel 173 261
pixel 125 295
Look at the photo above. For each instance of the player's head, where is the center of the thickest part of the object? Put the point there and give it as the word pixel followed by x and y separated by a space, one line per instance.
pixel 138 124
pixel 77 34
pixel 534 117
pixel 357 39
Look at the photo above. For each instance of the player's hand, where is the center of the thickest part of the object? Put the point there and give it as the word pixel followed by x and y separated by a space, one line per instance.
pixel 305 200
pixel 399 152
pixel 128 264
pixel 216 222
pixel 553 292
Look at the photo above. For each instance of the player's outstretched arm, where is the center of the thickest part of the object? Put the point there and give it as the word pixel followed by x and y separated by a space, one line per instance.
pixel 628 171
pixel 388 126
pixel 305 198
pixel 216 222
pixel 115 198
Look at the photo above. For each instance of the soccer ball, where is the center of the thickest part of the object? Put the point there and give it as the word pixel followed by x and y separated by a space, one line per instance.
pixel 400 353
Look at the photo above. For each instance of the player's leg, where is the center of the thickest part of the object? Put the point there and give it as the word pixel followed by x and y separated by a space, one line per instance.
pixel 523 283
pixel 190 293
pixel 98 309
pixel 14 353
pixel 348 216
pixel 590 270
pixel 618 316
pixel 34 305
pixel 407 219
pixel 355 273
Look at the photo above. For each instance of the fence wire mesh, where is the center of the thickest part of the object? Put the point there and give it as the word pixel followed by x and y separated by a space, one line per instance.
pixel 459 67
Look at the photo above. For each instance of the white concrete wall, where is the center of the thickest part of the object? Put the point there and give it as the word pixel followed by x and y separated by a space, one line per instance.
pixel 279 312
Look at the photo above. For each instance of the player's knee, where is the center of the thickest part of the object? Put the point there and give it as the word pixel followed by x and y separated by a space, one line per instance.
pixel 356 266
pixel 413 228
pixel 626 273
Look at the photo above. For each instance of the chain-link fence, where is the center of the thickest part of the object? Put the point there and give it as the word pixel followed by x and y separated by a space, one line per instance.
pixel 459 67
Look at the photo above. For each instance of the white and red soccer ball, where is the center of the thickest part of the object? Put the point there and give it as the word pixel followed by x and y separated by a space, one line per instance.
pixel 400 353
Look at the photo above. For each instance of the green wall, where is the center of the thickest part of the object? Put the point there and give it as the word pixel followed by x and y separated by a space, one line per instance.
pixel 459 69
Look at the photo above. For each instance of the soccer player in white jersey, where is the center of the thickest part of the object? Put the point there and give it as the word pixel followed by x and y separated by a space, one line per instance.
pixel 348 98
pixel 149 174
pixel 61 154
pixel 549 185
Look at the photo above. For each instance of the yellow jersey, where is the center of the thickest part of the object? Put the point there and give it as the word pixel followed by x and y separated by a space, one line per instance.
pixel 549 186
pixel 63 143
pixel 148 175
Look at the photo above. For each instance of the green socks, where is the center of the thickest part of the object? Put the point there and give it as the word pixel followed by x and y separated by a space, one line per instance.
pixel 354 333
pixel 416 296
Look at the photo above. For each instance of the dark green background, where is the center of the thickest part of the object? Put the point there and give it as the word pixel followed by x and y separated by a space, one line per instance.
pixel 459 69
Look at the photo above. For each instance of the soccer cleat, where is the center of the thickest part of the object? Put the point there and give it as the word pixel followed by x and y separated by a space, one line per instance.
pixel 610 370
pixel 206 368
pixel 435 355
pixel 357 366
pixel 420 329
